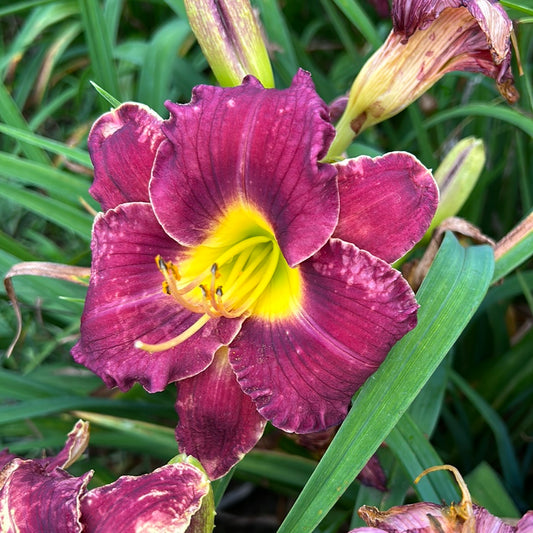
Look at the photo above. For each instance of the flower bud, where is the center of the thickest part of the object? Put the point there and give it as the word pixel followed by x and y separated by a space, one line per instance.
pixel 231 40
pixel 456 177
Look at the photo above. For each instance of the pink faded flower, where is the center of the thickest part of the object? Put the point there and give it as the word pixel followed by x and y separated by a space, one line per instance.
pixel 232 261
pixel 429 39
pixel 39 495
pixel 425 517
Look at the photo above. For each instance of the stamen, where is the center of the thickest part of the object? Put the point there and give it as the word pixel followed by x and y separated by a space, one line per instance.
pixel 464 509
pixel 172 343
pixel 240 286
pixel 265 280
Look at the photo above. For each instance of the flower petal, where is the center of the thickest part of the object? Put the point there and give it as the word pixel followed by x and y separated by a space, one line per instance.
pixel 488 523
pixel 218 423
pixel 77 442
pixel 387 203
pixel 254 147
pixel 122 144
pixel 421 517
pixel 410 16
pixel 525 524
pixel 5 458
pixel 302 370
pixel 125 302
pixel 34 499
pixel 161 501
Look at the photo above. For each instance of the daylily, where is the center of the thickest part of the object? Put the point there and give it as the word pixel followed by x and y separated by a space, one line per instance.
pixel 427 517
pixel 429 39
pixel 231 260
pixel 39 495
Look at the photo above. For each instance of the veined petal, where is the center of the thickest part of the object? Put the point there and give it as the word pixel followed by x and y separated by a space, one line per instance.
pixel 409 16
pixel 525 524
pixel 126 302
pixel 35 499
pixel 161 501
pixel 248 146
pixel 387 203
pixel 413 15
pixel 218 423
pixel 122 144
pixel 302 370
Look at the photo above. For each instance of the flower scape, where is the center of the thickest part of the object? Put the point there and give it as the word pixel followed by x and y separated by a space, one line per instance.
pixel 230 258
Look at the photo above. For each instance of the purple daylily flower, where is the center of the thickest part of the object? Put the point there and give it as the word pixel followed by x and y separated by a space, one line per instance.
pixel 39 495
pixel 426 517
pixel 232 261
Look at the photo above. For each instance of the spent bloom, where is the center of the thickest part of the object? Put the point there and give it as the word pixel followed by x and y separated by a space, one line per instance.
pixel 231 260
pixel 426 517
pixel 40 495
pixel 429 39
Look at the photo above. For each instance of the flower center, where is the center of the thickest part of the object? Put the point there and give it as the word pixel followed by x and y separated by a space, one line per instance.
pixel 237 271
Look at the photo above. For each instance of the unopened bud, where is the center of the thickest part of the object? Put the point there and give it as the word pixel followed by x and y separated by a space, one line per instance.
pixel 231 40
pixel 456 176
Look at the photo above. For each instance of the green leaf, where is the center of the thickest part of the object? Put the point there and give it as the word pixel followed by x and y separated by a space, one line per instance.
pixel 508 460
pixel 455 285
pixel 61 214
pixel 68 188
pixel 99 43
pixel 416 453
pixel 506 114
pixel 276 28
pixel 488 491
pixel 157 73
pixel 107 96
pixel 74 154
pixel 58 404
pixel 9 113
pixel 357 16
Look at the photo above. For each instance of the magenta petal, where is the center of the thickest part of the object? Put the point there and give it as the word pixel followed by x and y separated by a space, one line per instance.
pixel 33 499
pixel 253 146
pixel 122 144
pixel 161 501
pixel 421 517
pixel 5 457
pixel 125 302
pixel 387 203
pixel 525 524
pixel 488 523
pixel 302 371
pixel 218 423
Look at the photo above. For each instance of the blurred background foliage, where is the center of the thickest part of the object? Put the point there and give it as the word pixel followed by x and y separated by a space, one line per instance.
pixel 480 397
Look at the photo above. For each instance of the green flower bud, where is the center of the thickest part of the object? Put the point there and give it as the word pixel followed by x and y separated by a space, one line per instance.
pixel 231 40
pixel 456 177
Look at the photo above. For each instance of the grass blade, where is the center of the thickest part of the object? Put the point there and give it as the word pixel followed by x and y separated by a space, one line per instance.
pixel 99 43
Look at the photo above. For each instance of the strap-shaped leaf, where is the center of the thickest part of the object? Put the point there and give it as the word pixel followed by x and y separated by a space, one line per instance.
pixel 453 289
